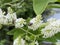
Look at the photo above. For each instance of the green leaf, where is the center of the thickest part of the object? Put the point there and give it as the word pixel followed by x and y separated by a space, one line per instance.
pixel 40 5
pixel 16 30
pixel 52 39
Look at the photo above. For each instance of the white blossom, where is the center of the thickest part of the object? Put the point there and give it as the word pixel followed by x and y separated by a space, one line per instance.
pixel 4 20
pixel 8 19
pixel 19 41
pixel 1 12
pixel 1 20
pixel 36 43
pixel 58 42
pixel 22 42
pixel 19 23
pixel 51 29
pixel 1 16
pixel 36 22
pixel 11 17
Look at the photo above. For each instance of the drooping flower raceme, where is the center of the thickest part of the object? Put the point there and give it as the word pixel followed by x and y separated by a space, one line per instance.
pixel 51 29
pixel 19 23
pixel 36 22
pixel 11 17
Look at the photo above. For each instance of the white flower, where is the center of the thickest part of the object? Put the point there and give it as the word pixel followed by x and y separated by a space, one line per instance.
pixel 11 17
pixel 48 32
pixel 22 42
pixel 1 17
pixel 51 29
pixel 36 22
pixel 1 12
pixel 19 41
pixel 36 43
pixel 58 42
pixel 1 20
pixel 8 19
pixel 19 23
pixel 4 20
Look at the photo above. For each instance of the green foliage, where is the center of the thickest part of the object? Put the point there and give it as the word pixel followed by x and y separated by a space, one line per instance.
pixel 16 32
pixel 58 0
pixel 53 0
pixel 40 5
pixel 2 42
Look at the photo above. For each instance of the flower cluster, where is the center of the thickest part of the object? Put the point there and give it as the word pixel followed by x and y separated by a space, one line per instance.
pixel 8 18
pixel 35 23
pixel 51 29
pixel 11 18
pixel 19 41
pixel 19 23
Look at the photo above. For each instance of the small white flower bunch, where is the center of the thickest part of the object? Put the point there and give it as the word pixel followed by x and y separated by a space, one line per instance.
pixel 19 41
pixel 8 18
pixel 2 17
pixel 16 41
pixel 22 42
pixel 36 22
pixel 51 29
pixel 11 18
pixel 19 23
